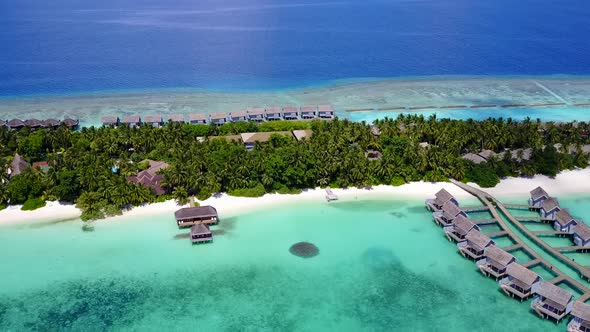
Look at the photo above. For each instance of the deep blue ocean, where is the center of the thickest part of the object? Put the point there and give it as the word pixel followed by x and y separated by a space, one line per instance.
pixel 62 46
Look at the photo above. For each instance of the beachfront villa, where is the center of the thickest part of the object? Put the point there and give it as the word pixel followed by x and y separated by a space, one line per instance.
pixel 300 134
pixel 564 222
pixel 190 216
pixel 131 120
pixel 519 281
pixel 538 195
pixel 551 301
pixel 290 112
pixel 150 177
pixel 200 233
pixel 153 120
pixel 197 118
pixel 459 229
pixel 273 113
pixel 582 235
pixel 218 118
pixel 474 245
pixel 179 118
pixel 581 320
pixel 442 196
pixel 326 112
pixel 256 114
pixel 236 116
pixel 549 208
pixel 110 121
pixel 496 262
pixel 251 139
pixel 308 112
pixel 449 212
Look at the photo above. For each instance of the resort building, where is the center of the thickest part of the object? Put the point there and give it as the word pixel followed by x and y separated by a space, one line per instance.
pixel 581 320
pixel 495 262
pixel 442 196
pixel 110 120
pixel 200 233
pixel 300 135
pixel 237 116
pixel 17 166
pixel 273 113
pixel 175 118
pixel 551 301
pixel 42 166
pixel 153 120
pixel 326 112
pixel 227 138
pixel 564 222
pixel 519 281
pixel 447 214
pixel 150 177
pixel 582 235
pixel 256 114
pixel 308 112
pixel 71 123
pixel 33 123
pixel 131 120
pixel 186 217
pixel 197 118
pixel 15 124
pixel 459 229
pixel 251 139
pixel 538 195
pixel 474 245
pixel 549 208
pixel 218 118
pixel 375 131
pixel 50 123
pixel 290 112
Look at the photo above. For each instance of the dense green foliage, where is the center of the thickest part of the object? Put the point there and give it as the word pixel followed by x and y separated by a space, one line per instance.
pixel 335 155
pixel 33 204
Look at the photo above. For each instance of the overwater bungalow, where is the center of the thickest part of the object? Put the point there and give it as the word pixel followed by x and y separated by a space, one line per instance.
pixel 495 262
pixel 474 245
pixel 15 124
pixel 110 121
pixel 290 112
pixel 251 139
pixel 153 120
pixel 582 234
pixel 459 229
pixel 308 112
pixel 549 208
pixel 33 123
pixel 519 281
pixel 197 118
pixel 273 113
pixel 236 116
pixel 200 233
pixel 538 195
pixel 564 222
pixel 442 196
pixel 71 123
pixel 256 114
pixel 218 118
pixel 447 214
pixel 178 118
pixel 581 320
pixel 325 112
pixel 551 301
pixel 50 123
pixel 196 215
pixel 300 135
pixel 131 120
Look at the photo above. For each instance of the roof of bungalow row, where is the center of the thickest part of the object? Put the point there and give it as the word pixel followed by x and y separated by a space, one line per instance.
pixel 302 134
pixel 229 138
pixel 463 225
pixel 152 118
pixel 563 217
pixel 110 119
pixel 218 115
pixel 450 210
pixel 70 122
pixel 273 110
pixel 175 118
pixel 290 109
pixel 442 196
pixel 583 231
pixel 196 212
pixel 15 123
pixel 538 193
pixel 130 119
pixel 478 239
pixel 200 229
pixel 33 123
pixel 50 123
pixel 256 111
pixel 521 273
pixel 308 109
pixel 325 108
pixel 197 117
pixel 581 310
pixel 263 136
pixel 550 204
pixel 2 122
pixel 499 256
pixel 559 296
pixel 238 114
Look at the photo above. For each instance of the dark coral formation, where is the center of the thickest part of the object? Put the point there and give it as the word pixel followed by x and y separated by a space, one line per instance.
pixel 304 249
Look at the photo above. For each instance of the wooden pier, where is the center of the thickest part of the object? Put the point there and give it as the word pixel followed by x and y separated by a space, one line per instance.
pixel 522 207
pixel 483 222
pixel 468 209
pixel 533 219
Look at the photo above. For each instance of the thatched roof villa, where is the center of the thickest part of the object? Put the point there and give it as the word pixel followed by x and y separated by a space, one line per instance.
pixel 196 215
pixel 551 301
pixel 474 245
pixel 200 233
pixel 71 123
pixel 50 123
pixel 538 195
pixel 549 208
pixel 582 234
pixel 495 262
pixel 15 124
pixel 564 222
pixel 149 177
pixel 442 196
pixel 459 229
pixel 33 123
pixel 449 212
pixel 519 281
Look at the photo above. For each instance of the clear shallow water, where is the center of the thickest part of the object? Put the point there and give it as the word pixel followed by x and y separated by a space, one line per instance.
pixel 382 264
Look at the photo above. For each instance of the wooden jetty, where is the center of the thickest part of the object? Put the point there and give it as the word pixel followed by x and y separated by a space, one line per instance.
pixel 539 233
pixel 533 219
pixel 475 208
pixel 483 222
pixel 330 196
pixel 522 207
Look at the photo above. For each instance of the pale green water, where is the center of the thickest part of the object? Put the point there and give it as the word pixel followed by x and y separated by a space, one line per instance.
pixel 383 265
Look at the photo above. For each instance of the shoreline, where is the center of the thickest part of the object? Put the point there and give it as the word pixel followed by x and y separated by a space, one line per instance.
pixel 565 183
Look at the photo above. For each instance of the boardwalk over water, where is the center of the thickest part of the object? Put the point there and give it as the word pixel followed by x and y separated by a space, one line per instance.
pixel 537 259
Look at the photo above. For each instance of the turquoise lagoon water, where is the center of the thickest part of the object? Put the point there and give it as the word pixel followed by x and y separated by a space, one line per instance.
pixel 383 265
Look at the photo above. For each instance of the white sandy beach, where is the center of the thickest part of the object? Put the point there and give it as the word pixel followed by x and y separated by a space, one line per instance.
pixel 567 182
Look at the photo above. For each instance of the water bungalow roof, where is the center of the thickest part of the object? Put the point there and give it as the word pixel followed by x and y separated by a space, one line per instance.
pixel 450 210
pixel 197 117
pixel 130 119
pixel 308 109
pixel 478 239
pixel 443 196
pixel 200 229
pixel 70 122
pixel 563 218
pixel 583 231
pixel 550 204
pixel 581 310
pixel 15 123
pixel 175 118
pixel 325 108
pixel 110 119
pixel 555 294
pixel 499 256
pixel 290 109
pixel 18 165
pixel 218 115
pixel 33 123
pixel 238 114
pixel 152 119
pixel 49 123
pixel 273 110
pixel 196 212
pixel 256 111
pixel 263 136
pixel 463 225
pixel 522 274
pixel 539 193
pixel 302 134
